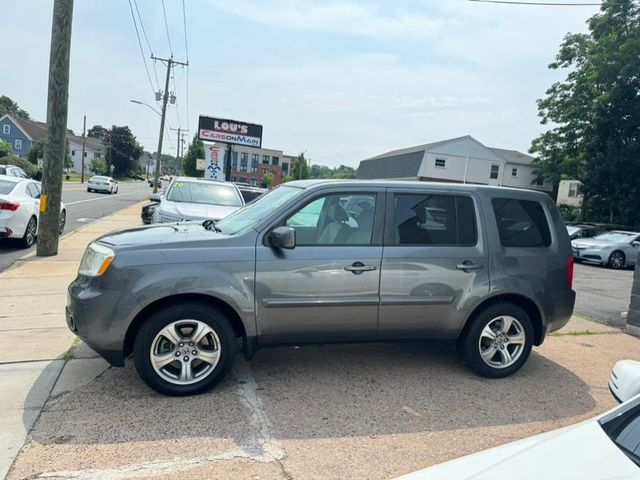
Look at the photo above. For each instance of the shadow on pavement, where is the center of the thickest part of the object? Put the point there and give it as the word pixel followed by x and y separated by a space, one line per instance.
pixel 320 391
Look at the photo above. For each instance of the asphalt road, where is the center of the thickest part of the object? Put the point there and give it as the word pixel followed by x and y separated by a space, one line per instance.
pixel 82 208
pixel 602 293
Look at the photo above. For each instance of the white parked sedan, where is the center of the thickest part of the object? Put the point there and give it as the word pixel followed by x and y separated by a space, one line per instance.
pixel 98 183
pixel 20 209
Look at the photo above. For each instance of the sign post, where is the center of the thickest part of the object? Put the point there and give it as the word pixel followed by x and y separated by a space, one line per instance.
pixel 231 132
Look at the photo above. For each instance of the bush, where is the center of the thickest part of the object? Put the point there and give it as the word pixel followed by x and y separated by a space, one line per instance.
pixel 29 168
pixel 569 213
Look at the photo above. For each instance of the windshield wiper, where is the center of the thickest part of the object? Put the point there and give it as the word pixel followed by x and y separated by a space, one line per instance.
pixel 211 225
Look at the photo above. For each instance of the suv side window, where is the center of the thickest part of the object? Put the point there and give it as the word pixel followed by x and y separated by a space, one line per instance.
pixel 336 219
pixel 423 219
pixel 521 223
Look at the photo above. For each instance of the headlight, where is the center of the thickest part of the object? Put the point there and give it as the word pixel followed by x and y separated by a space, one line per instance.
pixel 96 260
pixel 164 218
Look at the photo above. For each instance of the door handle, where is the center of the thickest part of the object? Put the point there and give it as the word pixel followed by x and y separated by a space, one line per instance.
pixel 468 265
pixel 359 267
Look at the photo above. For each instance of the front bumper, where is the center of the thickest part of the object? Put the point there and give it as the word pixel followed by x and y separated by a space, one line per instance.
pixel 100 318
pixel 590 254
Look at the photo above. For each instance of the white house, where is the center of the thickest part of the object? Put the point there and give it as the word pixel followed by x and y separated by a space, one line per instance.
pixel 93 149
pixel 569 193
pixel 458 160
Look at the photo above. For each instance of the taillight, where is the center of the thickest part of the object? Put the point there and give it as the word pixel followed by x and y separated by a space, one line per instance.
pixel 570 271
pixel 11 206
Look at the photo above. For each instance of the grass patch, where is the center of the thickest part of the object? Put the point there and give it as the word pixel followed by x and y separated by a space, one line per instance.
pixel 586 333
pixel 68 355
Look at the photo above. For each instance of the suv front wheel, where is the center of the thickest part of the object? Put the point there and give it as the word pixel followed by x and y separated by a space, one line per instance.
pixel 185 349
pixel 498 341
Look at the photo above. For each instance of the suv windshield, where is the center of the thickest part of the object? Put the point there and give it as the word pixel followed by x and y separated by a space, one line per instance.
pixel 249 216
pixel 204 192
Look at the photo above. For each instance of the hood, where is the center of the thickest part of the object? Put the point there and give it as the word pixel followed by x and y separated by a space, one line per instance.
pixel 591 242
pixel 160 233
pixel 194 211
pixel 580 451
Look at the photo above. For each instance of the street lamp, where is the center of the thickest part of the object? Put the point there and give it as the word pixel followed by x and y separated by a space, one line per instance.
pixel 146 105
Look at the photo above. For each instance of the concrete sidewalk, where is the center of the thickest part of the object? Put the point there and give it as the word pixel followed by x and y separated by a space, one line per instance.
pixel 36 340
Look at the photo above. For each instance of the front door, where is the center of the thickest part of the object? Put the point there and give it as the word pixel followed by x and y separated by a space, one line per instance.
pixel 327 288
pixel 435 263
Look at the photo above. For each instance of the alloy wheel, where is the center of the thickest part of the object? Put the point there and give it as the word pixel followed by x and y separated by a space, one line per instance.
pixel 616 260
pixel 30 234
pixel 502 342
pixel 185 352
pixel 63 219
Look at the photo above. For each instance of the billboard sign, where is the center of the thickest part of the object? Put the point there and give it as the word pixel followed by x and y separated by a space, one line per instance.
pixel 211 129
pixel 214 162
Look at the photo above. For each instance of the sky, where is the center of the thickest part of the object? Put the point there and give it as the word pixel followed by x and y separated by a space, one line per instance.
pixel 343 80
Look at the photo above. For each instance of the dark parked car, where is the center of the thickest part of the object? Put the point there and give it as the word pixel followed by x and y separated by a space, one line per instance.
pixel 488 267
pixel 147 212
pixel 249 194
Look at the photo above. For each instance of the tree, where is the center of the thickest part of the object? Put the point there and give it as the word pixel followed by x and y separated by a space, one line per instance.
pixel 24 164
pixel 99 166
pixel 301 163
pixel 195 151
pixel 5 149
pixel 97 131
pixel 124 150
pixel 267 180
pixel 595 115
pixel 9 107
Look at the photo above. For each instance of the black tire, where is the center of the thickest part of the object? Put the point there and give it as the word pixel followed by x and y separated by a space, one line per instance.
pixel 213 317
pixel 469 343
pixel 617 260
pixel 29 237
pixel 63 221
pixel 88 190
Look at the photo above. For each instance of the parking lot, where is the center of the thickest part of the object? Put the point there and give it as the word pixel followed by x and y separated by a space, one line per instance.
pixel 351 411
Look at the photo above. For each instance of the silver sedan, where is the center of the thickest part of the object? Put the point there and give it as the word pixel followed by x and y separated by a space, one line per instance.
pixel 615 249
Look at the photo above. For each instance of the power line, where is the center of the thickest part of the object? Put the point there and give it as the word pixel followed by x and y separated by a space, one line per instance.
pixel 541 4
pixel 144 59
pixel 186 48
pixel 166 26
pixel 144 32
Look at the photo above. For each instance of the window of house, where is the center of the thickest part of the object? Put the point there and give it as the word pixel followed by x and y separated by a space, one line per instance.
pixel 6 129
pixel 265 159
pixel 540 180
pixel 514 172
pixel 434 220
pixel 244 159
pixel 73 153
pixel 495 171
pixel 253 182
pixel 97 155
pixel 574 189
pixel 242 179
pixel 18 144
pixel 255 158
pixel 233 178
pixel 285 168
pixel 441 163
pixel 265 171
pixel 275 160
pixel 335 219
pixel 521 223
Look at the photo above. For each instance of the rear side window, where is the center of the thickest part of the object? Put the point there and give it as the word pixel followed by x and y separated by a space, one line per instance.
pixel 6 187
pixel 446 220
pixel 521 223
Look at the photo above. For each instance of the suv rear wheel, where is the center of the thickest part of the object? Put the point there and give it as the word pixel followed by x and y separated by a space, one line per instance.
pixel 185 349
pixel 498 341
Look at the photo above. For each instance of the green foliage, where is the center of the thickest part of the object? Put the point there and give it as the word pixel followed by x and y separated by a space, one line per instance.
pixel 569 212
pixel 9 107
pixel 322 171
pixel 124 151
pixel 99 166
pixel 267 180
pixel 29 168
pixel 35 152
pixel 195 151
pixel 5 149
pixel 97 131
pixel 595 115
pixel 299 168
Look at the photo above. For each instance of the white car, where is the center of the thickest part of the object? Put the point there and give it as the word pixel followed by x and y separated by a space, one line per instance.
pixel 196 199
pixel 12 171
pixel 20 209
pixel 98 183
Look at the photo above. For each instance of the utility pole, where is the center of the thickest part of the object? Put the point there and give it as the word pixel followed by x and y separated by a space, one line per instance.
pixel 57 109
pixel 165 97
pixel 178 154
pixel 633 315
pixel 84 129
pixel 227 164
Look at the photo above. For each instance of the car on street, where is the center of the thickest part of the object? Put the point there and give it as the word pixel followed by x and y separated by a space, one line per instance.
pixel 605 447
pixel 495 275
pixel 615 249
pixel 189 198
pixel 20 209
pixel 99 183
pixel 13 171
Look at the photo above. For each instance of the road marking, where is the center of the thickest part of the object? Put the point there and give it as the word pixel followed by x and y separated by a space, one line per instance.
pixel 101 198
pixel 85 220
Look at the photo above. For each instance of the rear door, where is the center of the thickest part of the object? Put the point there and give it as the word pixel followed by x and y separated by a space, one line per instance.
pixel 435 262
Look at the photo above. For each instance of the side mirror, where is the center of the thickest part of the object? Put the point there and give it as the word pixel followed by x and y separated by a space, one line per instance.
pixel 155 197
pixel 283 237
pixel 635 244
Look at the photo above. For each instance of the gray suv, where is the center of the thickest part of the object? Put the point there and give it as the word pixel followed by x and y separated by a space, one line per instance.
pixel 329 261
